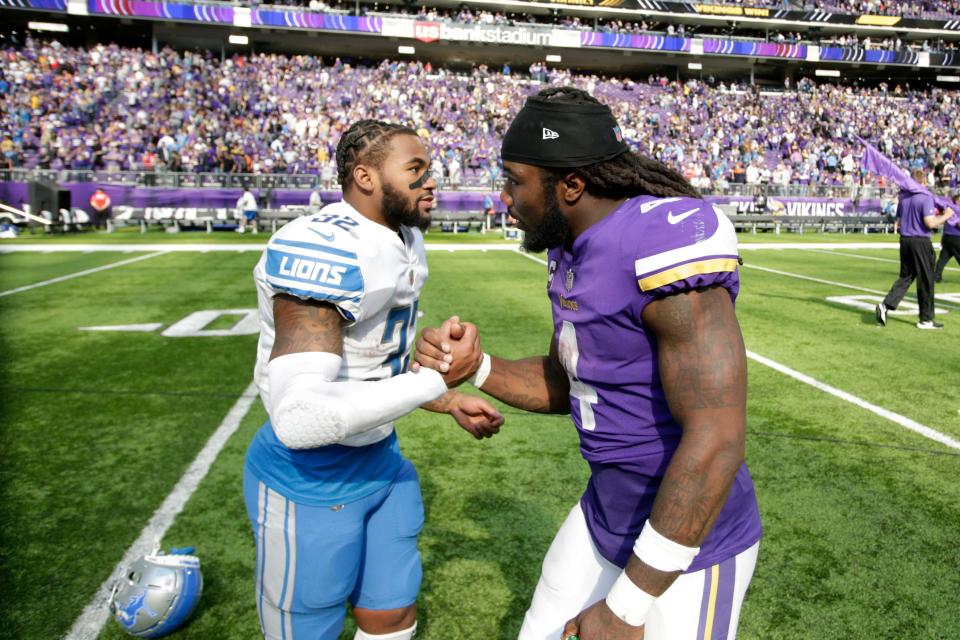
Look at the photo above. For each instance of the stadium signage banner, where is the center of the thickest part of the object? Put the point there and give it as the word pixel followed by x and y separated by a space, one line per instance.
pixel 801 207
pixel 426 31
pixel 429 32
pixel 590 3
pixel 201 12
pixel 445 31
pixel 185 11
pixel 730 10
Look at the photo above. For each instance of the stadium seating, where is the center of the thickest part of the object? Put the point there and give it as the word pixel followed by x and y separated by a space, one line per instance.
pixel 111 108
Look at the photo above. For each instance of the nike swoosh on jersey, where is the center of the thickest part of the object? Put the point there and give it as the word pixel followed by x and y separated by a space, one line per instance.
pixel 326 236
pixel 672 219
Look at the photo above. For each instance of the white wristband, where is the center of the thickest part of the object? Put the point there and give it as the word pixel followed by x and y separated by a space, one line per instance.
pixel 482 373
pixel 662 553
pixel 629 602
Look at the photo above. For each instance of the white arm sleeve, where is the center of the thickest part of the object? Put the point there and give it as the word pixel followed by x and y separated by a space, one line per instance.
pixel 310 408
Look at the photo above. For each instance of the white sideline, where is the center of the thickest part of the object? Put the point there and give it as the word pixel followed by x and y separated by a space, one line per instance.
pixel 874 258
pixel 903 421
pixel 203 248
pixel 78 274
pixel 95 615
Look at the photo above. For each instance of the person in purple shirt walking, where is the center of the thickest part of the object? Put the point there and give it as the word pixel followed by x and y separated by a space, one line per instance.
pixel 950 241
pixel 918 217
pixel 648 359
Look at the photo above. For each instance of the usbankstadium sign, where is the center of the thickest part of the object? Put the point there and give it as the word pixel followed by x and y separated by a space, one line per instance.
pixel 447 32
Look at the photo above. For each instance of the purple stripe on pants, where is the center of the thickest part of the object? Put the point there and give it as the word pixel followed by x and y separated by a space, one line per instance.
pixel 705 602
pixel 723 607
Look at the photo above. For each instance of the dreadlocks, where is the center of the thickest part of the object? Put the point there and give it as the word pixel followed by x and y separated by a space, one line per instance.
pixel 627 175
pixel 365 142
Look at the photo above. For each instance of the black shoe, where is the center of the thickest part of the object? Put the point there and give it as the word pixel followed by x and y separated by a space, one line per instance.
pixel 882 314
pixel 929 324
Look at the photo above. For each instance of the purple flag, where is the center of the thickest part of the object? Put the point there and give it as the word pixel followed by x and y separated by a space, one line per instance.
pixel 876 162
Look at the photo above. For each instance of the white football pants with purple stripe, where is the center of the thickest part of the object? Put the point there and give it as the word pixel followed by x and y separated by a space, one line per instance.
pixel 704 605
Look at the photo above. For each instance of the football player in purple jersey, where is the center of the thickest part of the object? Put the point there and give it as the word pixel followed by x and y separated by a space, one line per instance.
pixel 648 359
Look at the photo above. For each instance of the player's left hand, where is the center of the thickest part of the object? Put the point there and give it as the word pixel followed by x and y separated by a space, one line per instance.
pixel 599 623
pixel 476 415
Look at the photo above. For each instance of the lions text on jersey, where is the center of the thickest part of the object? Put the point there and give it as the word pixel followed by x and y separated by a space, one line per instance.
pixel 373 276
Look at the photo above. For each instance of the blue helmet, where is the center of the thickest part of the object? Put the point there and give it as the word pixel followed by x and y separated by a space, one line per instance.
pixel 157 594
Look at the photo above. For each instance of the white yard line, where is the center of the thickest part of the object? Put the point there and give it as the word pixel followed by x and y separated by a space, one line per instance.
pixel 79 274
pixel 530 257
pixel 903 421
pixel 874 258
pixel 818 245
pixel 205 248
pixel 95 615
pixel 834 283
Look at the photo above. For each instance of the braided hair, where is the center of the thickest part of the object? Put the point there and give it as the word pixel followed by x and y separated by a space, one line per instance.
pixel 366 142
pixel 627 175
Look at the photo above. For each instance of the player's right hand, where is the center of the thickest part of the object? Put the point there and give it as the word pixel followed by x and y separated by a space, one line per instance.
pixel 453 349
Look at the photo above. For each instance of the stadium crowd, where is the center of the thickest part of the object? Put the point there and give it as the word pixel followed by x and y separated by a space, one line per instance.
pixel 911 9
pixel 110 108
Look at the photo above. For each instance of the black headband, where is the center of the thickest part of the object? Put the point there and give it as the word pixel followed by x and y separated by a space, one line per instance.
pixel 562 135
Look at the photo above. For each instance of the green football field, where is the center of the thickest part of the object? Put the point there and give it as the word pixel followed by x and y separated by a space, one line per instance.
pixel 853 442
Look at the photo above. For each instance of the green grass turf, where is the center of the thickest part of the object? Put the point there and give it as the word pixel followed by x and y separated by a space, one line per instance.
pixel 844 346
pixel 860 515
pixel 132 235
pixel 21 269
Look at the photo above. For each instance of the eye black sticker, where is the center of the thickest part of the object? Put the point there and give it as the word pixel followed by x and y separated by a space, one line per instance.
pixel 421 181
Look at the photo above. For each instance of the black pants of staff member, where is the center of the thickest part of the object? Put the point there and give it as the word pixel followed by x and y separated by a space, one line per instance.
pixel 100 218
pixel 949 248
pixel 916 263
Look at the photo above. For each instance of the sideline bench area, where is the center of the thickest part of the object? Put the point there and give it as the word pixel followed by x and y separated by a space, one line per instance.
pixel 224 219
pixel 754 223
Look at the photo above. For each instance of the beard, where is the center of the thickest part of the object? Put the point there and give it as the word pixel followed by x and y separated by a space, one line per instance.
pixel 399 210
pixel 553 229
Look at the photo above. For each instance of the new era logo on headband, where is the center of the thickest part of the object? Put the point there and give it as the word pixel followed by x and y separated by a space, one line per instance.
pixel 549 134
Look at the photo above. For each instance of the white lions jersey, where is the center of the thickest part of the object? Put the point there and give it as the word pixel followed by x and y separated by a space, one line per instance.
pixel 372 275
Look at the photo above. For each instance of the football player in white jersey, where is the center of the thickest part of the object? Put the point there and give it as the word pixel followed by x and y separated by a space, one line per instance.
pixel 335 507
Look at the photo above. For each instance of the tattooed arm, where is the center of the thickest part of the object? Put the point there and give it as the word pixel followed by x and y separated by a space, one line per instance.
pixel 304 325
pixel 534 384
pixel 703 369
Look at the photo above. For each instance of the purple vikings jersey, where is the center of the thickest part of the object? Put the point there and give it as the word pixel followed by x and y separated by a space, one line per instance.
pixel 952 228
pixel 646 249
